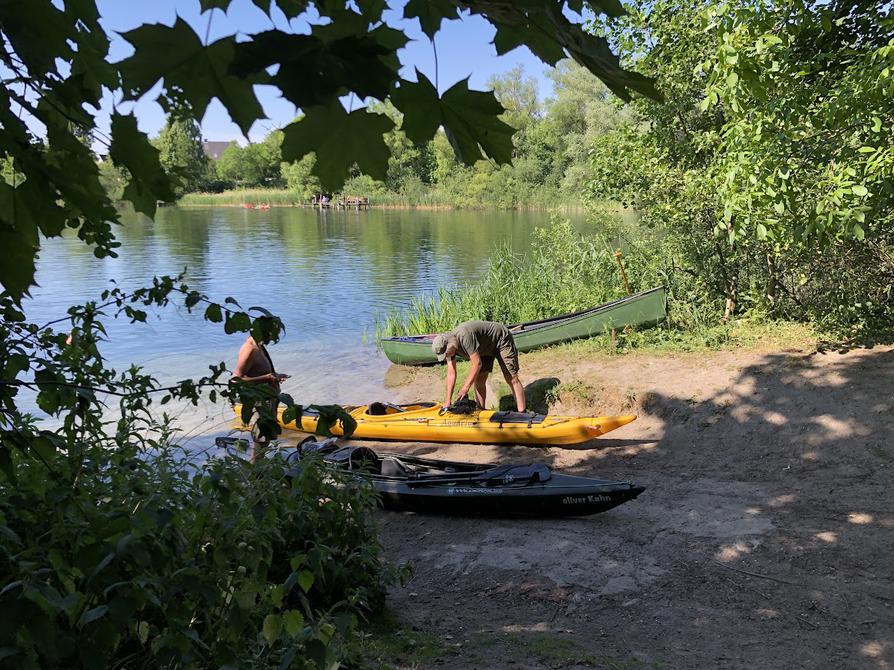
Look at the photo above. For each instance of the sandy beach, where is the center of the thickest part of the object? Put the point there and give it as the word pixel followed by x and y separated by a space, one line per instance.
pixel 763 540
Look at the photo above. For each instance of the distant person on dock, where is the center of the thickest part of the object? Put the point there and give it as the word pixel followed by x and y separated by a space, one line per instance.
pixel 254 366
pixel 481 342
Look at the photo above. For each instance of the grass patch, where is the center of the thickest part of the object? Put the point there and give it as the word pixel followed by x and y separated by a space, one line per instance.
pixel 238 197
pixel 743 333
pixel 552 649
pixel 562 272
pixel 423 199
pixel 386 645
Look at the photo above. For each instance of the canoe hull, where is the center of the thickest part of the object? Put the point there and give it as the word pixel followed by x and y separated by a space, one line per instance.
pixel 641 309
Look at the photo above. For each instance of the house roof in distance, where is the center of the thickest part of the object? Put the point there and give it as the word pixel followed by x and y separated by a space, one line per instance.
pixel 214 149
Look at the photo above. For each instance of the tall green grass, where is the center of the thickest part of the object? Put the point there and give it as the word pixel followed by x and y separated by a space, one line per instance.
pixel 563 271
pixel 250 196
pixel 424 198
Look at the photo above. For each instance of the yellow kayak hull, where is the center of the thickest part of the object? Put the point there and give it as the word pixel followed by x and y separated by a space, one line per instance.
pixel 427 422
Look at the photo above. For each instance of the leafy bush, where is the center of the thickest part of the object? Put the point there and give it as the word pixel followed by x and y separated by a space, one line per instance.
pixel 119 549
pixel 767 171
pixel 146 565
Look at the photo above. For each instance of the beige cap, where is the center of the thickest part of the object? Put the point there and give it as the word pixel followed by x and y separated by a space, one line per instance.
pixel 439 346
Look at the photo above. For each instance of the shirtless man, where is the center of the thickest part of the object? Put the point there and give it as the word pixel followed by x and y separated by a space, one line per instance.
pixel 254 366
pixel 481 342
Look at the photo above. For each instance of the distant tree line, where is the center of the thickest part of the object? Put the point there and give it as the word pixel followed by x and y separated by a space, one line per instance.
pixel 550 157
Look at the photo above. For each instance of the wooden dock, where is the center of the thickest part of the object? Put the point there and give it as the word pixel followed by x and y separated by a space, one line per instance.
pixel 345 202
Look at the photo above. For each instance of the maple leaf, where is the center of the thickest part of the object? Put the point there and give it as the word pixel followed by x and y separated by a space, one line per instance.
pixel 315 69
pixel 223 5
pixel 190 70
pixel 544 28
pixel 470 118
pixel 19 239
pixel 339 140
pixel 430 14
pixel 131 149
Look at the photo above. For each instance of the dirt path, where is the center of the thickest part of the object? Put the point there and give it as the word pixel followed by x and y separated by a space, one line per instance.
pixel 764 538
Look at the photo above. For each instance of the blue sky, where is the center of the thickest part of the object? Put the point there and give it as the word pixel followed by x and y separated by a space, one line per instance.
pixel 464 50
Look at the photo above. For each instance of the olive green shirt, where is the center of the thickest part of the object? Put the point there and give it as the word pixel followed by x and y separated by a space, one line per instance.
pixel 485 337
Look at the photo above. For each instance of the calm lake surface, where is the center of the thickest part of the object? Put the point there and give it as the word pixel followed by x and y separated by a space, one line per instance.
pixel 326 274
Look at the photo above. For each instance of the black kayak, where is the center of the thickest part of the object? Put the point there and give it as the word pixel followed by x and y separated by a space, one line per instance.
pixel 411 483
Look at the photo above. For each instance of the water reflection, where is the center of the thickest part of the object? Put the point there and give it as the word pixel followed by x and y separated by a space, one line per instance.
pixel 327 274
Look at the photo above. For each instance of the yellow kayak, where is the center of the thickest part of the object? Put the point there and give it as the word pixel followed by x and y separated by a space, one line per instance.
pixel 430 422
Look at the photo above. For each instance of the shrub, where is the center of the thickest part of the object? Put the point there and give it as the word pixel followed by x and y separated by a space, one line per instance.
pixel 120 549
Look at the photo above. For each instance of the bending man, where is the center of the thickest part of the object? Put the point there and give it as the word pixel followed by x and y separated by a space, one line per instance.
pixel 481 342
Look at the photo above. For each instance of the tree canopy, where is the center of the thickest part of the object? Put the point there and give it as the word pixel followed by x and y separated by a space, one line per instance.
pixel 181 155
pixel 57 69
pixel 769 165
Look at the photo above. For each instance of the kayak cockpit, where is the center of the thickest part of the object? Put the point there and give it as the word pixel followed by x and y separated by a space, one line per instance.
pixel 387 408
pixel 417 473
pixel 517 417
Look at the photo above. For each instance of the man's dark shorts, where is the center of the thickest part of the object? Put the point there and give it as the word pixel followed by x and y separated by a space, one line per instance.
pixel 508 357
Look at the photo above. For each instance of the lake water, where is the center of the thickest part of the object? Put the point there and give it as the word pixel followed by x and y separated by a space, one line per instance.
pixel 326 274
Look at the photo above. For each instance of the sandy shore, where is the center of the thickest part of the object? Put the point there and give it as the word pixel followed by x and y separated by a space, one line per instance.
pixel 764 538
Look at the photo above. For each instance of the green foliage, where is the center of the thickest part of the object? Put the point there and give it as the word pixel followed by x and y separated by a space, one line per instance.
pixel 766 171
pixel 827 80
pixel 181 155
pixel 518 96
pixel 300 179
pixel 340 140
pixel 582 111
pixel 235 166
pixel 60 57
pixel 193 73
pixel 252 166
pixel 253 196
pixel 200 567
pixel 430 14
pixel 131 150
pixel 119 548
pixel 544 28
pixel 410 163
pixel 8 170
pixel 335 59
pixel 563 272
pixel 113 180
pixel 468 117
pixel 550 156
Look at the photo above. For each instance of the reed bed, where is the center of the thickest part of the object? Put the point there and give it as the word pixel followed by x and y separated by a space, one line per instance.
pixel 251 196
pixel 562 272
pixel 565 271
pixel 424 199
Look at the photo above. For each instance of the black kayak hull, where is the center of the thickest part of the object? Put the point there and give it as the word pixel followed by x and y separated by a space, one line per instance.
pixel 545 500
pixel 414 484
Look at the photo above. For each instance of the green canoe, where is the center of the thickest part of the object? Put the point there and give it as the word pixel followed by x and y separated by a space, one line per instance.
pixel 640 309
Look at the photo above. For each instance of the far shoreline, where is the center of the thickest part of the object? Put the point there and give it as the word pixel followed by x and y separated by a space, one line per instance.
pixel 282 198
